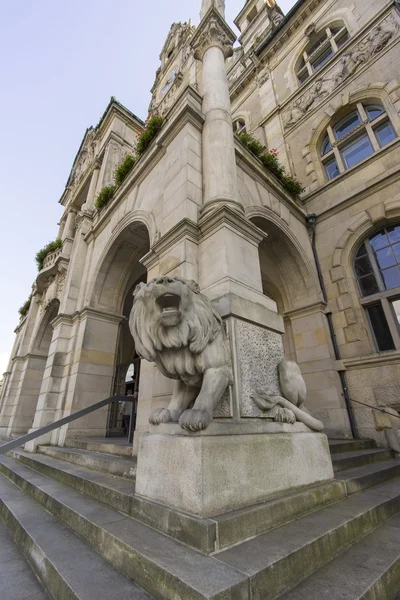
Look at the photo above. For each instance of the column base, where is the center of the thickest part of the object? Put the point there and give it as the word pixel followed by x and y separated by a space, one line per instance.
pixel 229 465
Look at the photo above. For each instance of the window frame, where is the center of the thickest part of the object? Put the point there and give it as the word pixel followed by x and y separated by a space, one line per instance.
pixel 242 129
pixel 328 40
pixel 367 126
pixel 384 297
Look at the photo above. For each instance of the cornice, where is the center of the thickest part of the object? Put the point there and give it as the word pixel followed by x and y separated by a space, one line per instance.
pixel 88 311
pixel 305 311
pixel 224 216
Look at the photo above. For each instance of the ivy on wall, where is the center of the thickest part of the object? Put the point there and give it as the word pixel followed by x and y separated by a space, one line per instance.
pixel 50 247
pixel 269 159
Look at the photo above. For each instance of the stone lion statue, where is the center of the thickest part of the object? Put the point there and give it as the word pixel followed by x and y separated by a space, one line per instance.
pixel 176 327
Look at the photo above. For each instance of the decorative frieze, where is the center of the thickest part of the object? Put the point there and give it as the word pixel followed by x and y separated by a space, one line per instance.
pixel 373 43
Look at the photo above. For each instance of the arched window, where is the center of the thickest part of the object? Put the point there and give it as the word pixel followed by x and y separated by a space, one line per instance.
pixel 321 47
pixel 362 131
pixel 239 126
pixel 377 269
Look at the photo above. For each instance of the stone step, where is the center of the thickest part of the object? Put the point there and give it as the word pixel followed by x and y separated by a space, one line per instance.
pixel 338 446
pixel 278 560
pixel 18 582
pixel 105 463
pixel 369 475
pixel 165 568
pixel 351 460
pixel 369 570
pixel 114 446
pixel 207 535
pixel 66 566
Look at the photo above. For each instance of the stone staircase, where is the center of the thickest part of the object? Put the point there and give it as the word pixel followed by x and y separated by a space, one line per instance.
pixel 71 513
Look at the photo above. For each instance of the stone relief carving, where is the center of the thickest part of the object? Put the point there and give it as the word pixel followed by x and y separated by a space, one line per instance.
pixel 348 64
pixel 86 156
pixel 176 327
pixel 212 33
pixel 263 76
pixel 288 408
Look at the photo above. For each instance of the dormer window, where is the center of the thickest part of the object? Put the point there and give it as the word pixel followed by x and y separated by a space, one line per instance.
pixel 321 47
pixel 239 126
pixel 252 15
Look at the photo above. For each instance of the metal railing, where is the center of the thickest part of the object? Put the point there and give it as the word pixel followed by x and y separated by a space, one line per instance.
pixel 48 428
pixel 382 410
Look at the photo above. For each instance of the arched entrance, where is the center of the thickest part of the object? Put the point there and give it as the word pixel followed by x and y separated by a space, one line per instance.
pixel 33 370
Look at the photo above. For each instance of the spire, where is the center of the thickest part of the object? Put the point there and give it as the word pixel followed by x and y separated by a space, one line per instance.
pixel 207 4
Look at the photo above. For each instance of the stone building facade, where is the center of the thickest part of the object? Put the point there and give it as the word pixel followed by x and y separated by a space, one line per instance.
pixel 321 86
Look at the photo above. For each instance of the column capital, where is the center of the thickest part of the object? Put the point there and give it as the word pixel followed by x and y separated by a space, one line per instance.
pixel 213 31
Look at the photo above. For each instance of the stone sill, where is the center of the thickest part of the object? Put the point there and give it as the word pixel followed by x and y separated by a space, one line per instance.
pixel 373 360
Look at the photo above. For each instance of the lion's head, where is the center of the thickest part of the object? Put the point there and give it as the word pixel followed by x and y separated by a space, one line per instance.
pixel 170 312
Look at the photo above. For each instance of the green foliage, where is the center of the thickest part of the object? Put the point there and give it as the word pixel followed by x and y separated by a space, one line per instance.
pixel 50 247
pixel 269 159
pixel 105 196
pixel 153 126
pixel 23 311
pixel 124 168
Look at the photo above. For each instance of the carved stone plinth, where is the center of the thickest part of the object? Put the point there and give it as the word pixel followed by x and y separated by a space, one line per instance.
pixel 219 470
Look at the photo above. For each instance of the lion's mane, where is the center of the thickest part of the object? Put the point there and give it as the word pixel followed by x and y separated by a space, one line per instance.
pixel 198 327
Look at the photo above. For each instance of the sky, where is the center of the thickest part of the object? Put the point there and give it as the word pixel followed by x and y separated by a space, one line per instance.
pixel 61 61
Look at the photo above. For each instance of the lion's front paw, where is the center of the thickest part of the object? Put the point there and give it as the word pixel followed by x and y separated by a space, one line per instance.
pixel 285 415
pixel 194 420
pixel 161 415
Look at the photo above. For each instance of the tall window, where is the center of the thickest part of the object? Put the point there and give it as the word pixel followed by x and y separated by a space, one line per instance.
pixel 377 269
pixel 239 126
pixel 363 131
pixel 321 47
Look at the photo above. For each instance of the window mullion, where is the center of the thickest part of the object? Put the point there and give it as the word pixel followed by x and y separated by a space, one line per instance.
pixel 374 265
pixel 332 40
pixel 387 309
pixel 372 137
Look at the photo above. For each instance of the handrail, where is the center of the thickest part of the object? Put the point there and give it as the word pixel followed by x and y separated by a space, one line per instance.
pixel 382 410
pixel 47 428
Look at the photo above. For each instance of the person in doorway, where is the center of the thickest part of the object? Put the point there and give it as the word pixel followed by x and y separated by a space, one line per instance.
pixel 126 411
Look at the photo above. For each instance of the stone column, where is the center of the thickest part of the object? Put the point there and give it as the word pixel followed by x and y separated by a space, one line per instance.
pixel 212 44
pixel 93 185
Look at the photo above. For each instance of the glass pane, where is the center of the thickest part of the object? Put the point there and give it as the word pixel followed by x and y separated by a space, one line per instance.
pixel 379 240
pixel 362 251
pixel 368 285
pixel 303 76
pixel 317 62
pixel 342 39
pixel 363 266
pixel 391 277
pixel 316 45
pixel 393 233
pixel 347 124
pixel 374 111
pixel 326 146
pixel 380 328
pixel 331 169
pixel 357 151
pixel 396 250
pixel 385 134
pixel 385 258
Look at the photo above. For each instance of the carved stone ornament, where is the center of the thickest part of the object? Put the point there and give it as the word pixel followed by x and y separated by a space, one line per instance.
pixel 213 31
pixel 347 65
pixel 263 76
pixel 85 157
pixel 288 408
pixel 176 327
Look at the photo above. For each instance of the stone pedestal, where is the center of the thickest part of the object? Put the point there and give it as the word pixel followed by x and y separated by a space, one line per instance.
pixel 229 465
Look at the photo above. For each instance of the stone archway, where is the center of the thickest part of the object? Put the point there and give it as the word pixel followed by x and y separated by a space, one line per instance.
pixel 33 370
